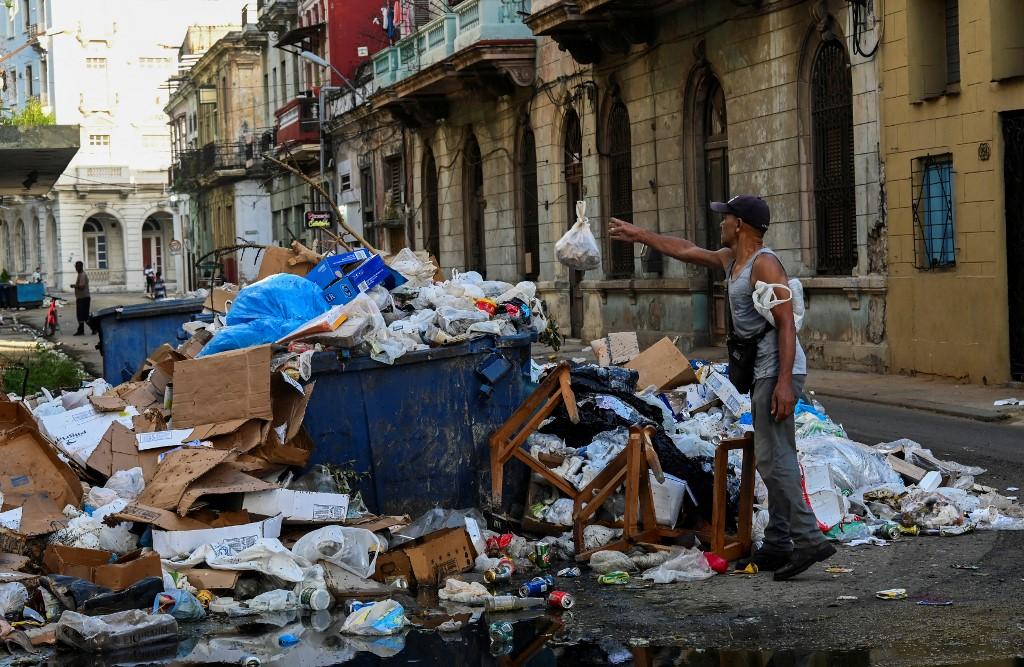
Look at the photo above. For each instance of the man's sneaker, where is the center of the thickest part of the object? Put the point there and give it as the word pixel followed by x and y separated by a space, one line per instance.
pixel 769 560
pixel 803 559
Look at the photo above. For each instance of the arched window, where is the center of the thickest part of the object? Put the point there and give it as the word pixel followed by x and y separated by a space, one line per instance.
pixel 716 155
pixel 620 174
pixel 431 214
pixel 573 160
pixel 473 204
pixel 835 204
pixel 94 240
pixel 529 203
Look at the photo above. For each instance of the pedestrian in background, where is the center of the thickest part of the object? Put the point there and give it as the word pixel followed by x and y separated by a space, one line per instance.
pixel 82 299
pixel 37 276
pixel 150 279
pixel 159 289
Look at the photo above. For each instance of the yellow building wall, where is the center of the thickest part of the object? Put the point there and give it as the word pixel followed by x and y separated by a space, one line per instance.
pixel 948 322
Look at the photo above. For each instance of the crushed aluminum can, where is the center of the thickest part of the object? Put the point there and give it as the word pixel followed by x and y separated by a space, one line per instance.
pixel 541 556
pixel 500 632
pixel 250 661
pixel 498 575
pixel 614 578
pixel 561 600
pixel 570 572
pixel 892 594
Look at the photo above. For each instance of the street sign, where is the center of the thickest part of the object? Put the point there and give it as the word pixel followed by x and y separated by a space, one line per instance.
pixel 174 246
pixel 318 219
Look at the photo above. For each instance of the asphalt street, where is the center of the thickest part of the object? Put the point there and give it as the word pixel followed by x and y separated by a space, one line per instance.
pixel 998 447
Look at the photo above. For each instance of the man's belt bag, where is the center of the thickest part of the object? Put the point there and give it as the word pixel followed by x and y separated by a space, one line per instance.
pixel 742 358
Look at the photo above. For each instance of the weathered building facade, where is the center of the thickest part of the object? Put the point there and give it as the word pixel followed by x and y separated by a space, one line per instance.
pixel 509 112
pixel 216 111
pixel 953 103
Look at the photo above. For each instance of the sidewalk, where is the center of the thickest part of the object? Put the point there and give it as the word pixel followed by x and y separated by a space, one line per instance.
pixel 936 395
pixel 82 348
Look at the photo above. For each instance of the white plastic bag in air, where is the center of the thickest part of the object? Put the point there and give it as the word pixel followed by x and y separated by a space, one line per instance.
pixel 348 548
pixel 765 299
pixel 578 249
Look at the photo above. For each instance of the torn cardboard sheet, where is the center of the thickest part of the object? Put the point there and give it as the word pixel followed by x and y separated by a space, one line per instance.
pixel 78 432
pixel 119 450
pixel 289 406
pixel 663 366
pixel 41 515
pixel 299 506
pixel 28 465
pixel 241 434
pixel 14 414
pixel 223 387
pixel 219 299
pixel 275 260
pixel 159 518
pixel 163 439
pixel 100 567
pixel 182 543
pixel 222 480
pixel 108 403
pixel 177 472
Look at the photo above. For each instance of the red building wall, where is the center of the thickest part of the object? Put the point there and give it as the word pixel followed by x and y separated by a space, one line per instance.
pixel 349 26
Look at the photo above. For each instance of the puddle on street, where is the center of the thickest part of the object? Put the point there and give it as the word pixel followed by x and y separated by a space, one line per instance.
pixel 538 641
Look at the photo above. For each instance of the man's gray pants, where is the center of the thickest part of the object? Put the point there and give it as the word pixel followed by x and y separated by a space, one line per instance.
pixel 791 522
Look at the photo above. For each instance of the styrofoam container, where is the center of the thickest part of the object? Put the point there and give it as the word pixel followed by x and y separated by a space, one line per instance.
pixel 668 499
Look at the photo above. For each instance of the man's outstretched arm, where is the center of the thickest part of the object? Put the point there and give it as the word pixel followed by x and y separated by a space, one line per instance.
pixel 671 246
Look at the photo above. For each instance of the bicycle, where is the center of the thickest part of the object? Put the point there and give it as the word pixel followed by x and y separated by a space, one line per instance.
pixel 51 324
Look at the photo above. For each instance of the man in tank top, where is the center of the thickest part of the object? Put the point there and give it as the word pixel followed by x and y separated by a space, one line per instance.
pixel 793 542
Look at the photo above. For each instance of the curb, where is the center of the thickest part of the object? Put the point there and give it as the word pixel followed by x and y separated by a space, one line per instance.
pixel 975 414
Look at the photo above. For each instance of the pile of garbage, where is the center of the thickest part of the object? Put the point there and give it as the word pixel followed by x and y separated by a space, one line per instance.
pixel 859 493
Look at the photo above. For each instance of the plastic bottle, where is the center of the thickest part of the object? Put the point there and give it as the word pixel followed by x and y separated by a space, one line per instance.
pixel 316 599
pixel 512 603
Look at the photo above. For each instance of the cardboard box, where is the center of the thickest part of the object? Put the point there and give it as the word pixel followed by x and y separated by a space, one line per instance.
pixel 183 542
pixel 732 399
pixel 212 580
pixel 343 277
pixel 78 432
pixel 29 465
pixel 222 387
pixel 242 435
pixel 219 299
pixel 663 366
pixel 191 348
pixel 299 506
pixel 275 260
pixel 13 415
pixel 100 567
pixel 156 517
pixel 427 560
pixel 622 347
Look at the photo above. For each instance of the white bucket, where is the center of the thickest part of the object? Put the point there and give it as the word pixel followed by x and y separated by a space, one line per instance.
pixel 668 499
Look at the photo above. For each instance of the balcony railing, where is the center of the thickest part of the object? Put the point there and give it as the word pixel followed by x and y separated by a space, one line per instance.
pixel 470 22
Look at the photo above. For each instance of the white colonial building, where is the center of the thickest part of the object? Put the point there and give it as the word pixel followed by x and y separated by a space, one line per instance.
pixel 103 65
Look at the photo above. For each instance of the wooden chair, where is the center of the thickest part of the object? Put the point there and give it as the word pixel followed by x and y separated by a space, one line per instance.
pixel 507 442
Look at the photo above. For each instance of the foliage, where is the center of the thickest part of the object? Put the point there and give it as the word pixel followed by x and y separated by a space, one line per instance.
pixel 46 368
pixel 31 116
pixel 5 277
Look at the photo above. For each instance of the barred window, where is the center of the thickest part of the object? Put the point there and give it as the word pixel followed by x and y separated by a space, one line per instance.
pixel 620 175
pixel 934 212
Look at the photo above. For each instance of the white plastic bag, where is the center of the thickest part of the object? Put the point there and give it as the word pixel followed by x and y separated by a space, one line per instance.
pixel 604 562
pixel 765 299
pixel 578 249
pixel 127 484
pixel 414 268
pixel 471 593
pixel 348 548
pixel 13 597
pixel 267 556
pixel 685 565
pixel 386 617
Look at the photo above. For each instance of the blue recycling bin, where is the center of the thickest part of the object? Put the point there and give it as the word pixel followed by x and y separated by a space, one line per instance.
pixel 420 428
pixel 129 334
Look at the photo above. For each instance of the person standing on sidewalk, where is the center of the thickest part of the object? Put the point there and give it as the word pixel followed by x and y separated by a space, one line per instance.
pixel 82 299
pixel 793 541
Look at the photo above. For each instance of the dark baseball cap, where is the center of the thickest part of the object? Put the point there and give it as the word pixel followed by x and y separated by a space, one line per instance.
pixel 752 210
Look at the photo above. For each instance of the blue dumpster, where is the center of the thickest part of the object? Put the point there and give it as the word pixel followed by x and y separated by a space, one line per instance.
pixel 128 334
pixel 419 428
pixel 31 295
